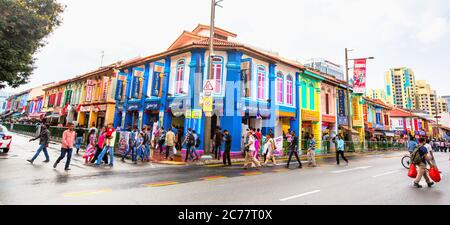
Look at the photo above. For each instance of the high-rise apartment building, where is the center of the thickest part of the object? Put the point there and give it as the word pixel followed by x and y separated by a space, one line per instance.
pixel 442 105
pixel 377 94
pixel 426 98
pixel 400 87
pixel 447 100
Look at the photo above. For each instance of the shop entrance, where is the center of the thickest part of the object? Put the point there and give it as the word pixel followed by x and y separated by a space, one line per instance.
pixel 101 120
pixel 306 132
pixel 135 119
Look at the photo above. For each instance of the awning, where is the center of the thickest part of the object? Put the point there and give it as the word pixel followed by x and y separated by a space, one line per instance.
pixel 17 115
pixel 379 133
pixel 36 115
pixel 346 128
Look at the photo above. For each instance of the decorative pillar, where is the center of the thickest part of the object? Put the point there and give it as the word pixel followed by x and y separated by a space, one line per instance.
pixel 270 123
pixel 126 117
pixel 164 112
pixel 145 87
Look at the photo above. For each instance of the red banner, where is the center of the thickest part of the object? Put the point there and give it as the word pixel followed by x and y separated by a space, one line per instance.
pixel 359 76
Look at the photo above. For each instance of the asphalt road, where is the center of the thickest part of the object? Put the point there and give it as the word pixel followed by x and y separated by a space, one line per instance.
pixel 372 179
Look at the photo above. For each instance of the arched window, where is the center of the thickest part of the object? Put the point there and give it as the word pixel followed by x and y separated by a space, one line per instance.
pixel 290 90
pixel 280 87
pixel 180 76
pixel 218 74
pixel 261 73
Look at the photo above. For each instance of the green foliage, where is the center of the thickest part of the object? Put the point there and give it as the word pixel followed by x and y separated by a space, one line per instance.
pixel 23 26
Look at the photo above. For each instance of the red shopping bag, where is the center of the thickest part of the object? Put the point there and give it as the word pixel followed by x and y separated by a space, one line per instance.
pixel 434 174
pixel 412 171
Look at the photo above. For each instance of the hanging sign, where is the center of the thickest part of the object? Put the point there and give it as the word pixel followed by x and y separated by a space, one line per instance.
pixel 359 77
pixel 207 104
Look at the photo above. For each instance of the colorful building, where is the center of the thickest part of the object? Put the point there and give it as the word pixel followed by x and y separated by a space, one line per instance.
pixel 377 119
pixel 91 98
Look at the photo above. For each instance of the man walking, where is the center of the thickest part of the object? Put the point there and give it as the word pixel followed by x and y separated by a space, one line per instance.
pixel 79 140
pixel 226 153
pixel 340 150
pixel 170 142
pixel 68 140
pixel 312 152
pixel 189 140
pixel 218 138
pixel 293 150
pixel 43 137
pixel 147 141
pixel 197 145
pixel 109 146
pixel 132 144
pixel 422 172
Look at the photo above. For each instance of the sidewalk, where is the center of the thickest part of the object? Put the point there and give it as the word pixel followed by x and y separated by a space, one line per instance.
pixel 239 161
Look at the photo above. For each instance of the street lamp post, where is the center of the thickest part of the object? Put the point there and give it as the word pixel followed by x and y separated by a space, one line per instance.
pixel 208 115
pixel 349 116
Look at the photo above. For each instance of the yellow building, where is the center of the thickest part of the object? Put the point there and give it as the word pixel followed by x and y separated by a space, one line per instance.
pixel 96 105
pixel 400 87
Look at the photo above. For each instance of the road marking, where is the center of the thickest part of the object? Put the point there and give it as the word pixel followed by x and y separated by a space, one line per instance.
pixel 85 193
pixel 387 173
pixel 211 178
pixel 215 165
pixel 251 173
pixel 161 184
pixel 281 170
pixel 300 195
pixel 353 169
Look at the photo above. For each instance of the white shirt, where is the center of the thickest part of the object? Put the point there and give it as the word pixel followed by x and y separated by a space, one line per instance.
pixel 251 139
pixel 429 148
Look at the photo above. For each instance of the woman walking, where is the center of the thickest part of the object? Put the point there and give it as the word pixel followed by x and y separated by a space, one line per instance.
pixel 249 157
pixel 270 147
pixel 99 147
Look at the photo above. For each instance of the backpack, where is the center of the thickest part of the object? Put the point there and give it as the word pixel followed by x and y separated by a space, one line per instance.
pixel 416 159
pixel 191 140
pixel 197 142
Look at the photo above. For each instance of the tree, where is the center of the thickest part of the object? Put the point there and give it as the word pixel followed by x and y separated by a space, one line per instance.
pixel 24 24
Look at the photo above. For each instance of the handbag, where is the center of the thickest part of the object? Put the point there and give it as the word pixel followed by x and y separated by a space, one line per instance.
pixel 412 171
pixel 434 174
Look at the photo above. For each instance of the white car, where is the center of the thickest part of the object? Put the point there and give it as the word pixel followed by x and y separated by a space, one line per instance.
pixel 5 139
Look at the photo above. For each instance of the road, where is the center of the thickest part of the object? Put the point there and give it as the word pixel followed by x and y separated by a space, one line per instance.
pixel 377 179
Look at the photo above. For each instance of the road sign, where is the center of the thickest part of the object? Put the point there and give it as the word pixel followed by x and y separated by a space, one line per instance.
pixel 208 87
pixel 207 104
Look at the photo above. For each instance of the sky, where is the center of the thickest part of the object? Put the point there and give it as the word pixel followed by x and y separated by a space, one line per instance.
pixel 398 33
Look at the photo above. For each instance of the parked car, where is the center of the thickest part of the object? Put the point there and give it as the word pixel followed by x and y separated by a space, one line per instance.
pixel 5 139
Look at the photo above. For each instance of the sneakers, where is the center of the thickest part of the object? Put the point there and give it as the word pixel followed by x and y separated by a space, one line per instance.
pixel 54 165
pixel 417 185
pixel 430 184
pixel 30 161
pixel 46 161
pixel 67 169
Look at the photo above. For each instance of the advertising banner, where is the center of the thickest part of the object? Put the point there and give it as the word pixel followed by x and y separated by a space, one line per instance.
pixel 105 88
pixel 89 92
pixel 359 77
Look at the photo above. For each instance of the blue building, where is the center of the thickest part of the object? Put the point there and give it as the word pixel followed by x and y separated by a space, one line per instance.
pixel 252 88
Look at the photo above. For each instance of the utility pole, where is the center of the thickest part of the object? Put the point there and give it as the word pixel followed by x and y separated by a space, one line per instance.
pixel 350 121
pixel 103 55
pixel 208 115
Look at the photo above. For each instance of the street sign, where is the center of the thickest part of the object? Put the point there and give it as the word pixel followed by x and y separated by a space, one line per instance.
pixel 208 87
pixel 207 104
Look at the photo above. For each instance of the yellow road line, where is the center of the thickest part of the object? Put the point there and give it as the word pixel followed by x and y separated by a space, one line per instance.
pixel 251 173
pixel 161 184
pixel 85 193
pixel 211 178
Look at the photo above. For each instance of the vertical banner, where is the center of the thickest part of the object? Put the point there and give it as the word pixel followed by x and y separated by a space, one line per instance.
pixel 89 90
pixel 137 79
pixel 105 88
pixel 123 142
pixel 359 76
pixel 341 95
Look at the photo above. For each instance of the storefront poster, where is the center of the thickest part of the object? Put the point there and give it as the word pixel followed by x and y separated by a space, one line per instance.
pixel 105 88
pixel 196 114
pixel 279 146
pixel 123 142
pixel 89 90
pixel 359 78
pixel 207 104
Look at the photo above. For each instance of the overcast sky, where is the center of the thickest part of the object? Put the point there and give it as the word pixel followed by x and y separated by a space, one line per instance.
pixel 412 33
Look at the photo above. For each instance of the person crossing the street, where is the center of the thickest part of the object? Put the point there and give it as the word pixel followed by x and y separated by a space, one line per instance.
pixel 79 139
pixel 312 151
pixel 170 143
pixel 189 141
pixel 340 149
pixel 68 140
pixel 293 149
pixel 44 137
pixel 197 145
pixel 132 146
pixel 424 159
pixel 109 146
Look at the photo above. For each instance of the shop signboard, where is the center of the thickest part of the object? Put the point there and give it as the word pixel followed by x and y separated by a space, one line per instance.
pixel 85 109
pixel 152 106
pixel 196 114
pixel 308 115
pixel 359 76
pixel 188 114
pixel 105 88
pixel 341 96
pixel 343 120
pixel 207 104
pixel 329 119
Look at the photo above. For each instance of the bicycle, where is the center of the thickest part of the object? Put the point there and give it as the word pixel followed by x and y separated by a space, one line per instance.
pixel 406 161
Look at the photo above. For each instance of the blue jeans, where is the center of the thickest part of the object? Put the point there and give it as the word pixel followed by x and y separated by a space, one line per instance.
pixel 63 154
pixel 140 152
pixel 78 142
pixel 133 153
pixel 111 155
pixel 193 152
pixel 42 147
pixel 147 152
